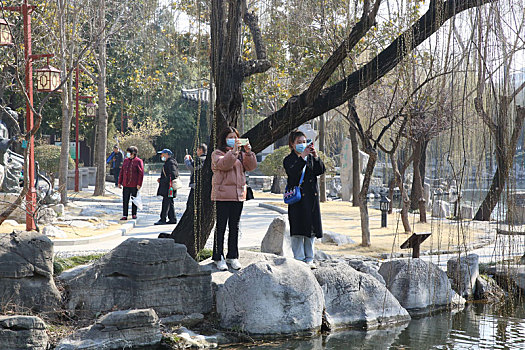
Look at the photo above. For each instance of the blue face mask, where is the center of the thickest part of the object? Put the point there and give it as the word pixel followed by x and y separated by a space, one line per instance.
pixel 300 147
pixel 230 142
pixel 128 155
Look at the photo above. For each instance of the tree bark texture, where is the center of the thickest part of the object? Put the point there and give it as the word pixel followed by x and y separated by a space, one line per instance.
pixel 66 111
pixel 417 194
pixel 102 122
pixel 363 205
pixel 356 167
pixel 322 178
pixel 398 179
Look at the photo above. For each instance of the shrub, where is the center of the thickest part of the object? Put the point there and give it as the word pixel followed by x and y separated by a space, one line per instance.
pixel 48 158
pixel 146 149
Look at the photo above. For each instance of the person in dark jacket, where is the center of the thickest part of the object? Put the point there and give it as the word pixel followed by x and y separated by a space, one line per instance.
pixel 115 158
pixel 130 179
pixel 196 164
pixel 305 215
pixel 168 174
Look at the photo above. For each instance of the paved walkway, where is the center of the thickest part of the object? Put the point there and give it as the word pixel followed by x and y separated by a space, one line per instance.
pixel 254 222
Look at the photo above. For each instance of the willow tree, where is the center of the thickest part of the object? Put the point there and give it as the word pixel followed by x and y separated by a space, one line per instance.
pixel 229 72
pixel 497 107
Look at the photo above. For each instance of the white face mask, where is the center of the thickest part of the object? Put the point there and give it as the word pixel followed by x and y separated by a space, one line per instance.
pixel 163 158
pixel 128 155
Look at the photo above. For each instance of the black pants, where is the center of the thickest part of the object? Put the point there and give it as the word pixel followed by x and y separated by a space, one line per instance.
pixel 116 173
pixel 227 213
pixel 126 193
pixel 168 209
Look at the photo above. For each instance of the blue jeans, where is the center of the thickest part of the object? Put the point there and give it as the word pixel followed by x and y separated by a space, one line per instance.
pixel 303 248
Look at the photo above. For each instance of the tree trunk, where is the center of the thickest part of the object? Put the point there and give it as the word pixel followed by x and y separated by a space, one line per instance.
pixel 363 205
pixel 356 168
pixel 398 179
pixel 66 115
pixel 417 195
pixel 505 159
pixel 322 180
pixel 102 123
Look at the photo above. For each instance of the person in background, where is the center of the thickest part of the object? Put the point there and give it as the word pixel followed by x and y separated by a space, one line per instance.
pixel 305 215
pixel 228 163
pixel 116 158
pixel 130 179
pixel 169 173
pixel 196 164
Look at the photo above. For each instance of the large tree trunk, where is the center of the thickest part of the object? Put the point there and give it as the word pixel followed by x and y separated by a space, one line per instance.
pixel 66 112
pixel 356 167
pixel 417 195
pixel 505 159
pixel 398 179
pixel 322 180
pixel 363 205
pixel 102 122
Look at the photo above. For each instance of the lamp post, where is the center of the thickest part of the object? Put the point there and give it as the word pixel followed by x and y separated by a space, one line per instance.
pixel 384 206
pixel 89 110
pixel 6 39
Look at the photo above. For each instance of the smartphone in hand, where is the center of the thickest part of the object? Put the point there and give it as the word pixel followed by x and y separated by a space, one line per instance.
pixel 244 142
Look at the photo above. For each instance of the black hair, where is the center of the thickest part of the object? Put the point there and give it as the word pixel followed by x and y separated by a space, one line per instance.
pixel 203 147
pixel 294 135
pixel 221 142
pixel 133 150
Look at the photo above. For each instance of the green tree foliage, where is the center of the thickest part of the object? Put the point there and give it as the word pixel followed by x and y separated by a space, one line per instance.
pixel 48 158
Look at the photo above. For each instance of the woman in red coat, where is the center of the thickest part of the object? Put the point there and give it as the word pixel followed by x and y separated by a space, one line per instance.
pixel 131 176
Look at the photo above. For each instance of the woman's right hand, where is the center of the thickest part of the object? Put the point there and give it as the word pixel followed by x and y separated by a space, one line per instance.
pixel 237 146
pixel 158 181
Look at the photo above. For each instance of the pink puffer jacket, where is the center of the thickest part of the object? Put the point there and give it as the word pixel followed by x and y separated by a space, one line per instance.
pixel 229 182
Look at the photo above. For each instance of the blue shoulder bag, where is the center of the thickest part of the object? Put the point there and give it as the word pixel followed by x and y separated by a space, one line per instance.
pixel 292 196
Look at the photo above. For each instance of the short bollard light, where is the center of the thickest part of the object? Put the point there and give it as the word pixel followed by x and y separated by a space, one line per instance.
pixel 384 206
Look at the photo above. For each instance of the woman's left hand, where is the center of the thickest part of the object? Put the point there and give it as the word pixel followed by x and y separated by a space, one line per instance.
pixel 138 187
pixel 248 147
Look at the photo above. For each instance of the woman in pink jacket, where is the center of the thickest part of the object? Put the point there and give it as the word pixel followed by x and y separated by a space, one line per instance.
pixel 229 162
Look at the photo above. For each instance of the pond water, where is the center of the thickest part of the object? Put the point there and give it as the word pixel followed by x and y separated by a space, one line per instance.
pixel 478 326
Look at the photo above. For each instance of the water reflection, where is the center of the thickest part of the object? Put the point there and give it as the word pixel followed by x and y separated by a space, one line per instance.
pixel 478 326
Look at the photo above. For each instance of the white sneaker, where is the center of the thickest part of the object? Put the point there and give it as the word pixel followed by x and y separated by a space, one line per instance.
pixel 221 265
pixel 236 265
pixel 311 264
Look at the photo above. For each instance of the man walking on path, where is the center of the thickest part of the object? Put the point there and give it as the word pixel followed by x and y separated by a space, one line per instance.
pixel 168 175
pixel 196 164
pixel 116 158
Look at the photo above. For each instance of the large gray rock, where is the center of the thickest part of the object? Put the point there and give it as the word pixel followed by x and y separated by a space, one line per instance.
pixel 278 296
pixel 488 289
pixel 337 238
pixel 277 238
pixel 368 268
pixel 53 231
pixel 463 272
pixel 419 286
pixel 23 332
pixel 354 298
pixel 26 272
pixel 46 216
pixel 117 330
pixel 141 273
